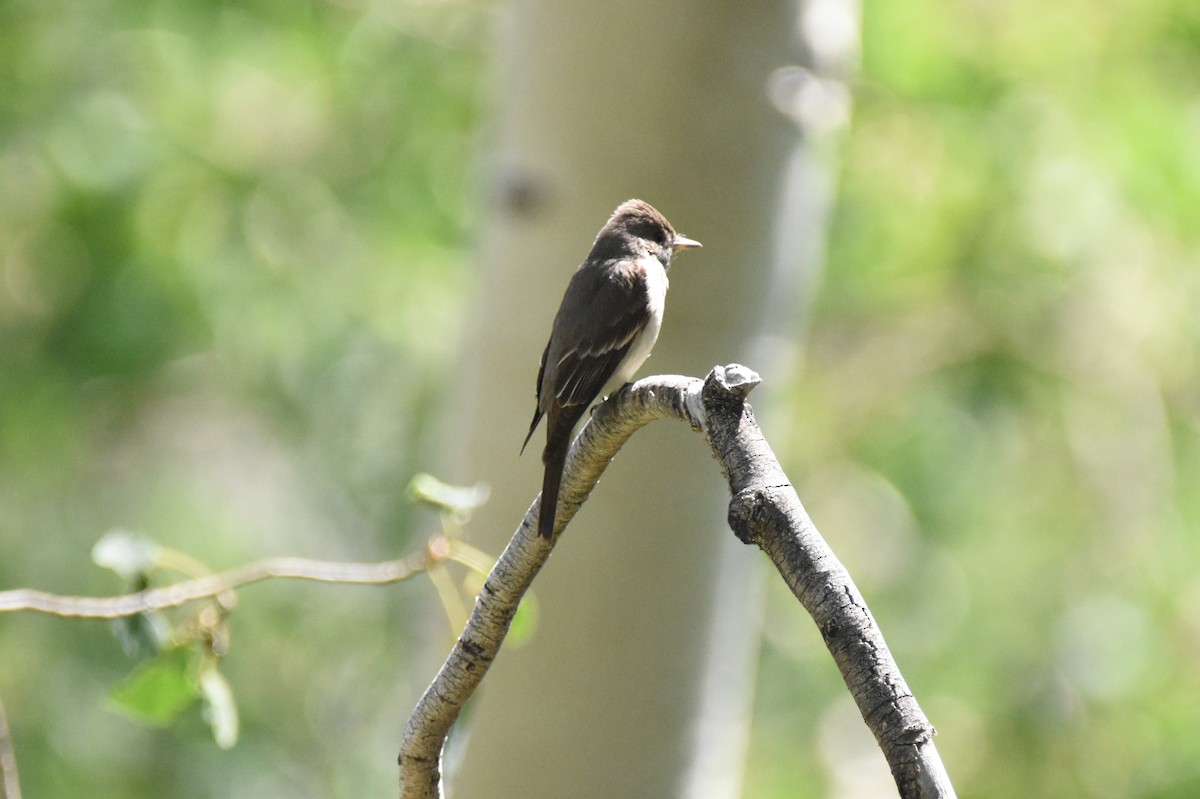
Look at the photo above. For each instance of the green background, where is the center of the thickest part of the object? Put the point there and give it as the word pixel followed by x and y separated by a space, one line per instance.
pixel 235 252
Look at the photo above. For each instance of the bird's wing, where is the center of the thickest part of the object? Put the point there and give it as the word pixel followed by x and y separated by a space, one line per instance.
pixel 537 411
pixel 592 346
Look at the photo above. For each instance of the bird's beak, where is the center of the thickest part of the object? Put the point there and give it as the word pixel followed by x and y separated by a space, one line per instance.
pixel 684 243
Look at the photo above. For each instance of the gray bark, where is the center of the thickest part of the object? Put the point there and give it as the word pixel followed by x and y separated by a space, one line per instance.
pixel 764 510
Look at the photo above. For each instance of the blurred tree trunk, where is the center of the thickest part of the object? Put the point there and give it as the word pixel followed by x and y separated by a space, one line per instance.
pixel 638 680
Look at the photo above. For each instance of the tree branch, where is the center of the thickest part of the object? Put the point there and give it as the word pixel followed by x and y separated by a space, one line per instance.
pixel 611 424
pixel 764 510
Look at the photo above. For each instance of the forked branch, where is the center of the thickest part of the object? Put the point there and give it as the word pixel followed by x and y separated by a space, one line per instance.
pixel 764 510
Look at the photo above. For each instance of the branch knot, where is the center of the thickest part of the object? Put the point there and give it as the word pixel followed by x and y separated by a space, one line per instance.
pixel 730 385
pixel 747 509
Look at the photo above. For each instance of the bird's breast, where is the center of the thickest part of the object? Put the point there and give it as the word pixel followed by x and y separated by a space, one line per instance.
pixel 639 351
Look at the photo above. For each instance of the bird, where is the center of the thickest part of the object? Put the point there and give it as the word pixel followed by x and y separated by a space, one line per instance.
pixel 606 325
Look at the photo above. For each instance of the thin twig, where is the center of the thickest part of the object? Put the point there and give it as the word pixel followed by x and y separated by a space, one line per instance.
pixel 170 596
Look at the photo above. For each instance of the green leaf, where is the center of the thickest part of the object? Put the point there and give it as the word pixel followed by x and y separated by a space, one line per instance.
pixel 220 709
pixel 159 690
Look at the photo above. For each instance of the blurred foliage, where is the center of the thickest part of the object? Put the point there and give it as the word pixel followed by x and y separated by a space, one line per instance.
pixel 998 426
pixel 233 250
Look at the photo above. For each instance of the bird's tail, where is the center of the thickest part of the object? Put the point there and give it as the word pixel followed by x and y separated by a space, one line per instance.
pixel 555 456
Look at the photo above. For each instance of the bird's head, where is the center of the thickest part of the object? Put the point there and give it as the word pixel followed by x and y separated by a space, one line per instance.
pixel 636 227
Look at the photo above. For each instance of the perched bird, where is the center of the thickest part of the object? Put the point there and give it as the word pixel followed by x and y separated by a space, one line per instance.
pixel 606 326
